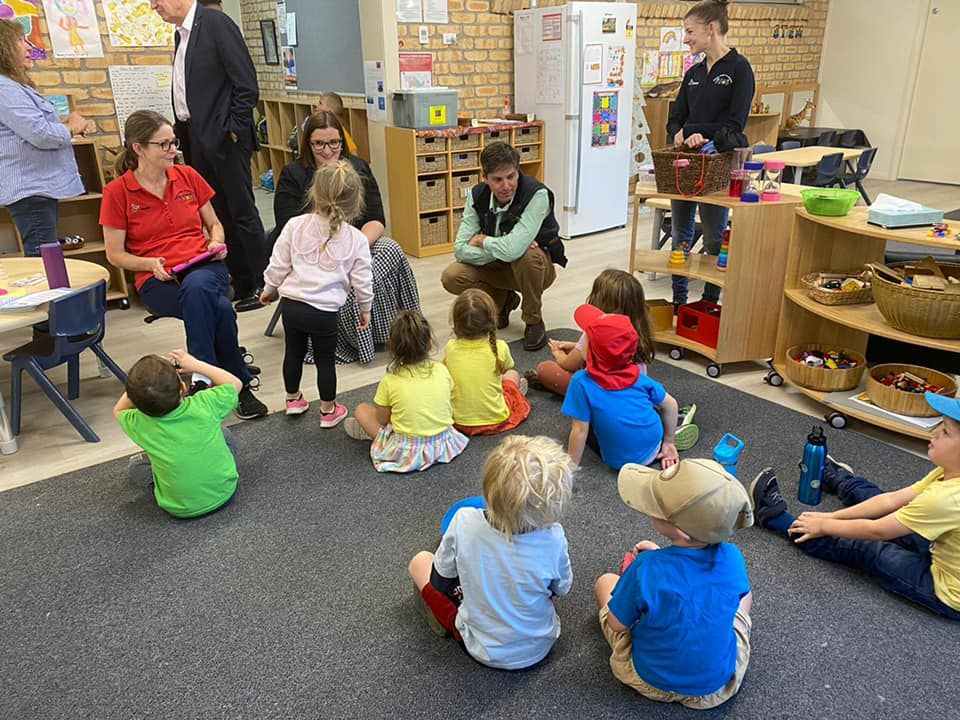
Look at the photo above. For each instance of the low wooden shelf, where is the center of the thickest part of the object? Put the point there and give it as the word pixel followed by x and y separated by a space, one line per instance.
pixel 405 147
pixel 845 243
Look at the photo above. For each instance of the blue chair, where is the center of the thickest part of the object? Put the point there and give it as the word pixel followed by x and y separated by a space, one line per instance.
pixel 77 322
pixel 830 171
pixel 864 163
pixel 789 144
pixel 761 148
pixel 828 139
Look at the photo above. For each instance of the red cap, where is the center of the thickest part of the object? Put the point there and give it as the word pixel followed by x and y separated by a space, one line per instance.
pixel 611 347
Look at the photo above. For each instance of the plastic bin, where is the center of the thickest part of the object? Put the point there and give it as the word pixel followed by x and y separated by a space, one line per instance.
pixel 426 109
pixel 700 322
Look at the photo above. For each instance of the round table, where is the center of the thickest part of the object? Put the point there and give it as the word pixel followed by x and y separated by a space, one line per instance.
pixel 80 272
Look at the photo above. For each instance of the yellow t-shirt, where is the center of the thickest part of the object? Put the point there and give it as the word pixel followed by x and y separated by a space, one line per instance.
pixel 351 143
pixel 418 398
pixel 477 391
pixel 935 515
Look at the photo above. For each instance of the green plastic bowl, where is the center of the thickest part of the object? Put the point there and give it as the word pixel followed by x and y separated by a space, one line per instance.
pixel 835 202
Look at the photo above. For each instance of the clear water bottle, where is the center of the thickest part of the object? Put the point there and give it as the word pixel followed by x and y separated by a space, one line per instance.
pixel 811 467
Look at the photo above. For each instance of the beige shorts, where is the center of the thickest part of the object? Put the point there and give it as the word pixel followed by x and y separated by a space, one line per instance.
pixel 621 662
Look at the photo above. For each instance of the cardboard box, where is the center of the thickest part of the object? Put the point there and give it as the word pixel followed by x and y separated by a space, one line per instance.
pixel 661 315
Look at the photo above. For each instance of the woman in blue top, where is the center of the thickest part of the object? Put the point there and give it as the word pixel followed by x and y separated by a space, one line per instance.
pixel 713 104
pixel 37 164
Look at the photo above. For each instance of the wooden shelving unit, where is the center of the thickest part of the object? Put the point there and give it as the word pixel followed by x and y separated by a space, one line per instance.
pixel 751 292
pixel 825 243
pixel 420 161
pixel 79 215
pixel 283 114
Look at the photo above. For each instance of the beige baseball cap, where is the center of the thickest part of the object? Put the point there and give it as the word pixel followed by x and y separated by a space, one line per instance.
pixel 698 496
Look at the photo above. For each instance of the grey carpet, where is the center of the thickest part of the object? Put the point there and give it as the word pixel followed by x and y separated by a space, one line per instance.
pixel 293 602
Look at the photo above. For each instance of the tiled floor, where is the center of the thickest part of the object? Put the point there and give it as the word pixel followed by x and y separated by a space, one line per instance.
pixel 49 445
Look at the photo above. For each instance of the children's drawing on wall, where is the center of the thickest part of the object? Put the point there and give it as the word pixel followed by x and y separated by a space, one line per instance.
pixel 616 54
pixel 289 68
pixel 604 119
pixel 74 31
pixel 27 13
pixel 132 23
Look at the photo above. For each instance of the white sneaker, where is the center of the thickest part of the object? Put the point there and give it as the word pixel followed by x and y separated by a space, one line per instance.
pixel 354 429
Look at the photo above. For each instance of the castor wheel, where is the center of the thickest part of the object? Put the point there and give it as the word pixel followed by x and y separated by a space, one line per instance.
pixel 773 378
pixel 246 356
pixel 836 420
pixel 676 353
pixel 124 304
pixel 254 383
pixel 714 370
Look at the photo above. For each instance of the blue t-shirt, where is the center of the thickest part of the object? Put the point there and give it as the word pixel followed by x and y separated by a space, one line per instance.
pixel 626 422
pixel 679 604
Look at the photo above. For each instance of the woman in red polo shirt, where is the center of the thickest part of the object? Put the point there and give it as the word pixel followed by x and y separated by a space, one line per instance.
pixel 154 216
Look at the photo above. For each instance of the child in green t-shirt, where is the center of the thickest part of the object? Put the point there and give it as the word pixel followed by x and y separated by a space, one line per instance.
pixel 189 456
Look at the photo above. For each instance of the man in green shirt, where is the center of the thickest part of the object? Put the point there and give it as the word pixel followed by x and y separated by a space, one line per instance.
pixel 508 242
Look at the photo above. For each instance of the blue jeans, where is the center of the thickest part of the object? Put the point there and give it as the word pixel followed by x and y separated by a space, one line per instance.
pixel 713 220
pixel 36 221
pixel 200 300
pixel 900 566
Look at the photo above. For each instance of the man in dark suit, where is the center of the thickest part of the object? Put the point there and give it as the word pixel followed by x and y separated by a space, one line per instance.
pixel 214 93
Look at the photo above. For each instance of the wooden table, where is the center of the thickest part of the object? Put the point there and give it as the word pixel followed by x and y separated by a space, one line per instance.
pixel 811 156
pixel 81 274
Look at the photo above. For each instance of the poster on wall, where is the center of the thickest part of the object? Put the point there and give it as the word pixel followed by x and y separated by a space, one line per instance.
pixel 292 29
pixel 435 11
pixel 651 68
pixel 551 27
pixel 616 56
pixel 609 24
pixel 26 13
pixel 289 68
pixel 141 87
pixel 523 42
pixel 74 30
pixel 671 66
pixel 671 39
pixel 604 125
pixel 593 64
pixel 416 70
pixel 409 11
pixel 375 97
pixel 132 23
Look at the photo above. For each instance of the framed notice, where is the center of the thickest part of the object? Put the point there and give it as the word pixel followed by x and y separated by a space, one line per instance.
pixel 268 35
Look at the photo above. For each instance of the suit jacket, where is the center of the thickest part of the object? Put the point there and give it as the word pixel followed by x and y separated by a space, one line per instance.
pixel 221 82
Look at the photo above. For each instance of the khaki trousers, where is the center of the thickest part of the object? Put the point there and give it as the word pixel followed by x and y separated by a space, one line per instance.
pixel 529 275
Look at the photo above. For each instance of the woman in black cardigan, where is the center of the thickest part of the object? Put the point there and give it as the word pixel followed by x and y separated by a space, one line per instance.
pixel 322 142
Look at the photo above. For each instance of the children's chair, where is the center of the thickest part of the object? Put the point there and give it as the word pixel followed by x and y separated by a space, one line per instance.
pixel 864 163
pixel 77 322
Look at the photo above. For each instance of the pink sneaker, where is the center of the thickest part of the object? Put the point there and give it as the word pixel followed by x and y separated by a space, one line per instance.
pixel 334 417
pixel 298 406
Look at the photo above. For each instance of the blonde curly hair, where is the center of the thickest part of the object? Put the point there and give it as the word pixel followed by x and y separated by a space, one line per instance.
pixel 337 194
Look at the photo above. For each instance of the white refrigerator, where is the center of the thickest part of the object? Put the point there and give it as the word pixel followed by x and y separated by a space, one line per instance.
pixel 574 66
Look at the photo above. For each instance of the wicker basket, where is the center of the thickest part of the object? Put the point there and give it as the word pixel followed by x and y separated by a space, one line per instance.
pixel 465 142
pixel 433 230
pixel 432 193
pixel 457 219
pixel 463 160
pixel 905 403
pixel 525 136
pixel 823 379
pixel 837 297
pixel 496 136
pixel 529 153
pixel 431 144
pixel 929 313
pixel 703 175
pixel 431 163
pixel 461 187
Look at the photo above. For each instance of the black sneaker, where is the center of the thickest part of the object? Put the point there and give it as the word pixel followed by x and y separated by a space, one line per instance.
pixel 509 305
pixel 830 467
pixel 248 407
pixel 766 497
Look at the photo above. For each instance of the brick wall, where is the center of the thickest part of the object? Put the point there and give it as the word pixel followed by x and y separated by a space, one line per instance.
pixel 88 81
pixel 252 12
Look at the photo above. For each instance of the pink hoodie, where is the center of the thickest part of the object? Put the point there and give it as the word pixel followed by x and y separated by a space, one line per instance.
pixel 310 266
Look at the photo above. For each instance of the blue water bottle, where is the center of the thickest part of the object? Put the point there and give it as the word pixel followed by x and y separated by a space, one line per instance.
pixel 811 467
pixel 727 452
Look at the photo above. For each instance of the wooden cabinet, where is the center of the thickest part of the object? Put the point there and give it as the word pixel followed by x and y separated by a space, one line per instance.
pixel 78 215
pixel 283 114
pixel 843 243
pixel 431 172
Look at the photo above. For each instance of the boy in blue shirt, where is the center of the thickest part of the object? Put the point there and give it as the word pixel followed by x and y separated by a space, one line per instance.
pixel 678 619
pixel 624 415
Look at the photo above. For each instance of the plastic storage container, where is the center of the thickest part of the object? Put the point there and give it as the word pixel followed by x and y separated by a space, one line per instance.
pixel 772 180
pixel 752 182
pixel 832 202
pixel 700 322
pixel 425 109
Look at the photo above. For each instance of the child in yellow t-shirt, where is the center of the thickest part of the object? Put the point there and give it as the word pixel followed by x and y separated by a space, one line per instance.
pixel 488 394
pixel 411 418
pixel 332 102
pixel 907 539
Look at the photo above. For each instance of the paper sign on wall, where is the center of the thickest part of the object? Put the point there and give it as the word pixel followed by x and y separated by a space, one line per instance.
pixel 616 56
pixel 671 39
pixel 671 66
pixel 651 68
pixel 74 30
pixel 409 11
pixel 289 62
pixel 291 28
pixel 435 11
pixel 141 87
pixel 609 24
pixel 524 39
pixel 416 70
pixel 551 27
pixel 593 64
pixel 375 98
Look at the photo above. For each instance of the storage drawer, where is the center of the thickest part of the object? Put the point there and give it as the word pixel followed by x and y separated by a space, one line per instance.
pixel 462 185
pixel 431 144
pixel 465 142
pixel 431 163
pixel 433 230
pixel 496 136
pixel 465 160
pixel 432 193
pixel 529 153
pixel 457 219
pixel 526 136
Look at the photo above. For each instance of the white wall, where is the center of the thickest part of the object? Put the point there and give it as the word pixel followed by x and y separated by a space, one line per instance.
pixel 871 51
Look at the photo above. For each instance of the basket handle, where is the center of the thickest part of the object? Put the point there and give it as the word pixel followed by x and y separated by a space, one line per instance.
pixel 699 184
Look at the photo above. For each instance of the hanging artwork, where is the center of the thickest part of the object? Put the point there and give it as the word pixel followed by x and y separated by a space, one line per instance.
pixel 616 56
pixel 651 68
pixel 74 30
pixel 289 68
pixel 132 23
pixel 27 13
pixel 604 132
pixel 671 66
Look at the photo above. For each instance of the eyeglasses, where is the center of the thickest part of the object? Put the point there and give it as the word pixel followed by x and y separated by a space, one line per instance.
pixel 165 145
pixel 328 145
